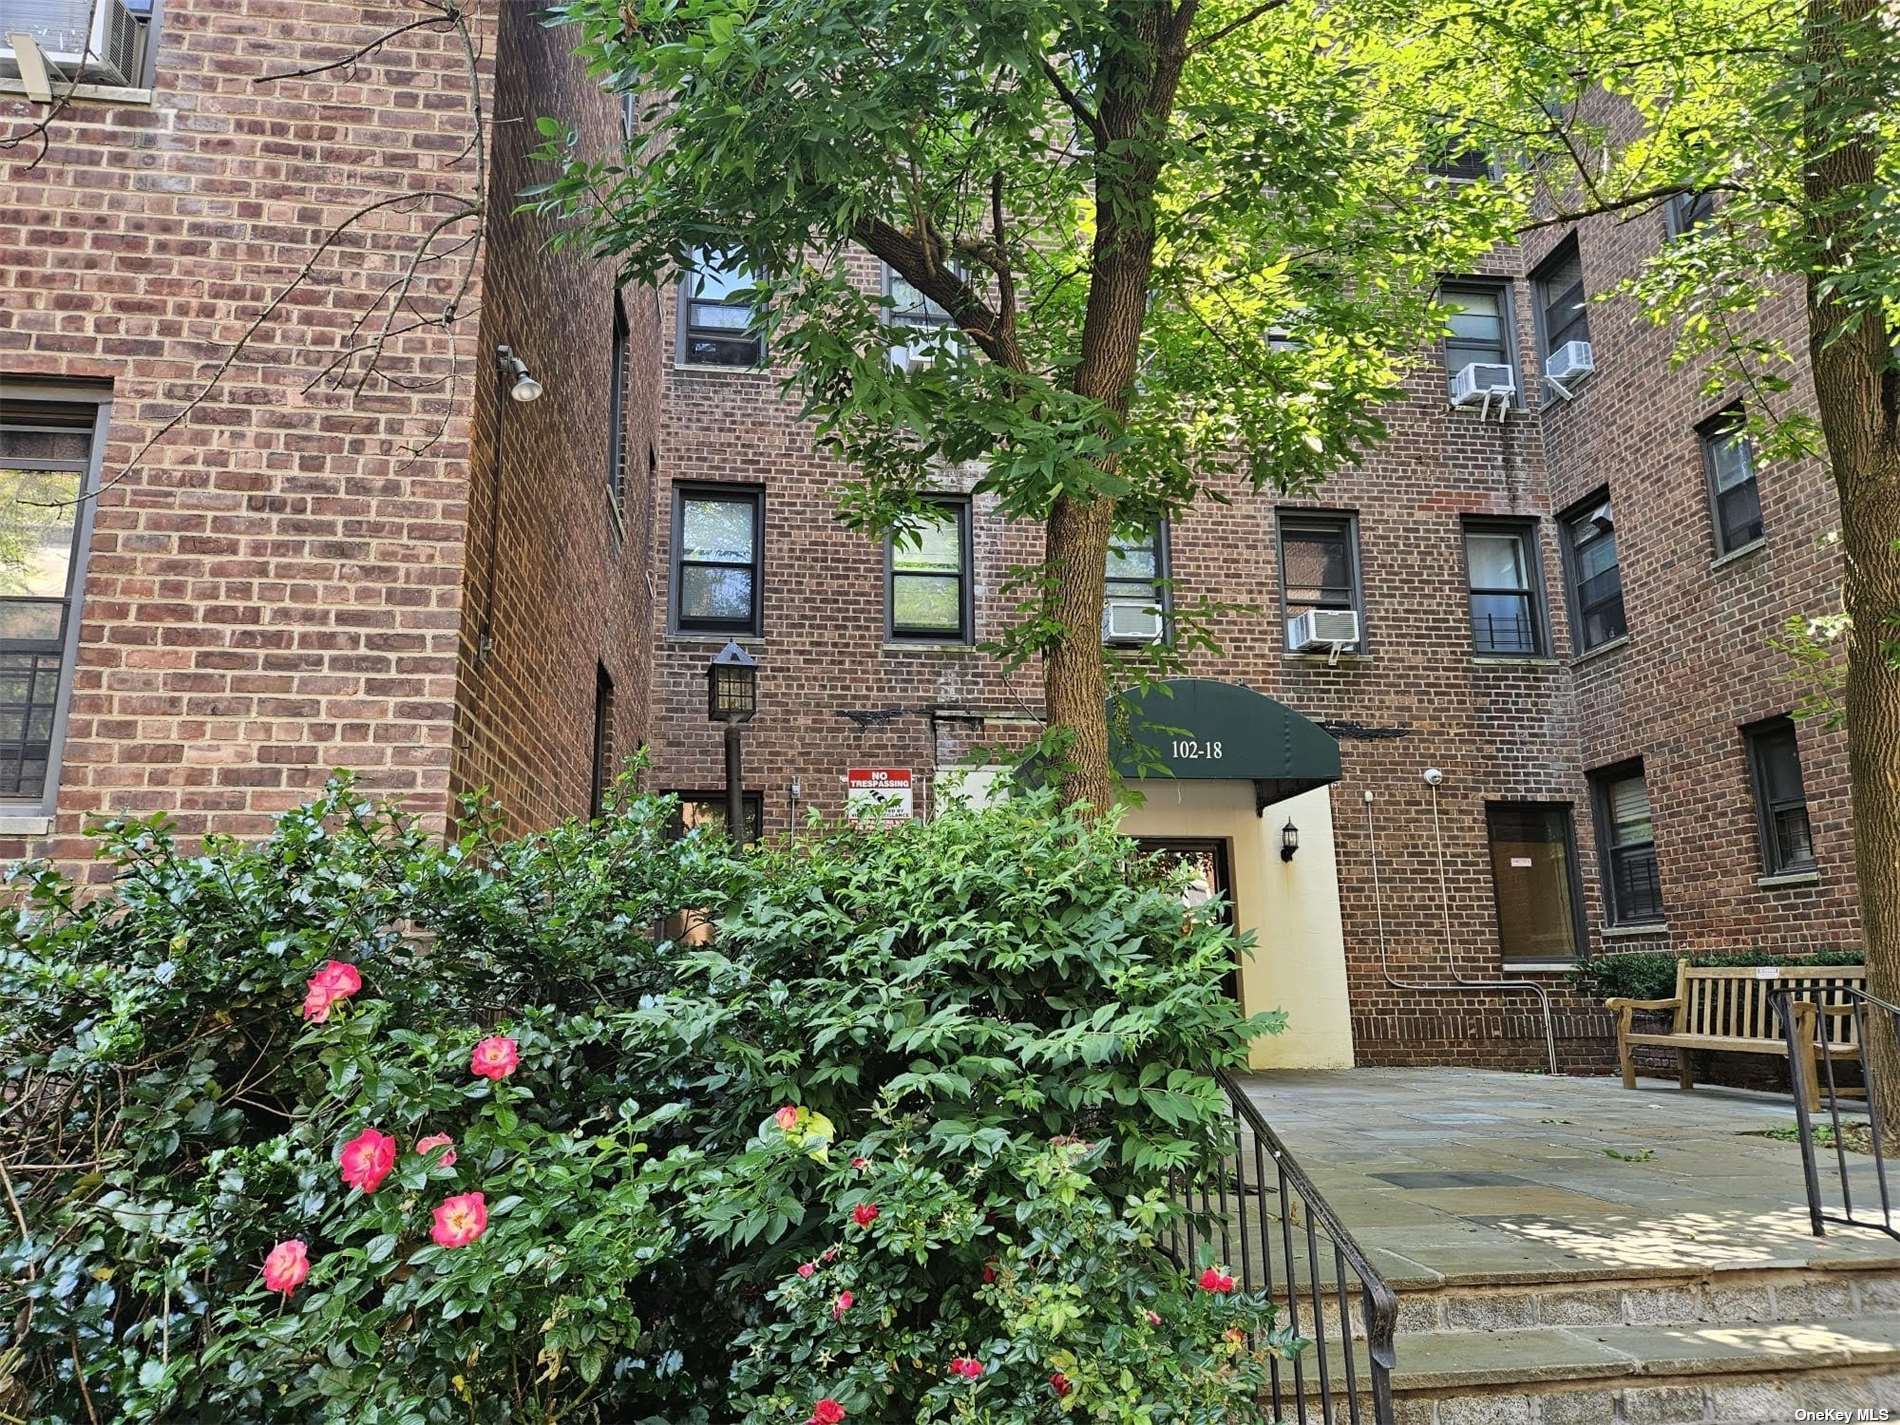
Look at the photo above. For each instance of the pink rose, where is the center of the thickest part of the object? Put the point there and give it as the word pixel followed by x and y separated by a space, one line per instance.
pixel 459 1220
pixel 864 1214
pixel 335 981
pixel 786 1118
pixel 805 1269
pixel 966 1366
pixel 826 1412
pixel 426 1146
pixel 287 1266
pixel 1214 1279
pixel 494 1058
pixel 842 1305
pixel 316 1004
pixel 1154 1318
pixel 860 1163
pixel 367 1159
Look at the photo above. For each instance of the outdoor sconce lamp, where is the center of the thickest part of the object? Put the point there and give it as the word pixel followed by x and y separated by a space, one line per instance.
pixel 732 697
pixel 522 386
pixel 1289 840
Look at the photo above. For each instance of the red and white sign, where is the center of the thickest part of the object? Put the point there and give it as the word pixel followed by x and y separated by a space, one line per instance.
pixel 878 794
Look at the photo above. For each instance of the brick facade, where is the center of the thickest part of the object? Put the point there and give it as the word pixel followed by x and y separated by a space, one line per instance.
pixel 277 587
pixel 1695 667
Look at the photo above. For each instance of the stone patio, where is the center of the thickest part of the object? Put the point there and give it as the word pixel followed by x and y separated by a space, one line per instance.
pixel 1469 1175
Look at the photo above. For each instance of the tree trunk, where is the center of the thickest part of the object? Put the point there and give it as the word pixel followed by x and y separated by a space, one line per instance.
pixel 1870 522
pixel 1074 688
pixel 1857 392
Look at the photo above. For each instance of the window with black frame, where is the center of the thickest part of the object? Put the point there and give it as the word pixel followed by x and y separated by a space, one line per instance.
pixel 1596 578
pixel 1781 801
pixel 1502 569
pixel 1685 210
pixel 1319 565
pixel 717 326
pixel 617 411
pixel 716 562
pixel 1563 307
pixel 1465 164
pixel 1477 318
pixel 928 571
pixel 1137 563
pixel 1632 886
pixel 48 450
pixel 910 307
pixel 602 774
pixel 1734 494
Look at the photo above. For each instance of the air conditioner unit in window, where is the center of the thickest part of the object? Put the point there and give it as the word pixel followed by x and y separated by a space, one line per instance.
pixel 1482 380
pixel 1570 362
pixel 912 358
pixel 1130 621
pixel 100 39
pixel 1322 628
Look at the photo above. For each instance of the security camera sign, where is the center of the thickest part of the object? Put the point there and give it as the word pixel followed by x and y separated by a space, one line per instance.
pixel 878 796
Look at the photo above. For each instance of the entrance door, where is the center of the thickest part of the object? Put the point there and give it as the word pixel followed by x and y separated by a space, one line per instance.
pixel 1207 862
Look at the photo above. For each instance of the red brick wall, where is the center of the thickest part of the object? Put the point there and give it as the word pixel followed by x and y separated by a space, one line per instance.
pixel 834 695
pixel 566 590
pixel 273 589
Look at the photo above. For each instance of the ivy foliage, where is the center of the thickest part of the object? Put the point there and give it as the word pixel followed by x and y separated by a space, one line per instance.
pixel 949 1070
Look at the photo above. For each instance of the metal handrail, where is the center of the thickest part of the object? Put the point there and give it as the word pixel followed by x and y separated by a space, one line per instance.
pixel 1306 1305
pixel 1802 1059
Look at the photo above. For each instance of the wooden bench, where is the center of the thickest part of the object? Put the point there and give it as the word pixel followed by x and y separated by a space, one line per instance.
pixel 1729 1009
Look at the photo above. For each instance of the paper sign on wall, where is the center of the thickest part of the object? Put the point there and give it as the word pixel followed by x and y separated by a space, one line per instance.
pixel 878 794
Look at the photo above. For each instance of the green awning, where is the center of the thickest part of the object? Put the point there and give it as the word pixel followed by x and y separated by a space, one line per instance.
pixel 1203 728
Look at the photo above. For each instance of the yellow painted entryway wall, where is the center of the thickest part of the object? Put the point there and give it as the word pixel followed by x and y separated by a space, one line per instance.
pixel 1298 962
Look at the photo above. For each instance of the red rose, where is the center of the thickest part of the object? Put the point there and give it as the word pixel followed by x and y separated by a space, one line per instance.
pixel 864 1214
pixel 966 1366
pixel 1059 1383
pixel 1214 1279
pixel 989 1271
pixel 826 1412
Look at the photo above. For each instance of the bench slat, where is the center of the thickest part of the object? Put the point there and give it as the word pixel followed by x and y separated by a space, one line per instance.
pixel 1735 1044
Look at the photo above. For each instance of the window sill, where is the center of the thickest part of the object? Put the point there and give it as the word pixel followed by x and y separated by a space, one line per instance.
pixel 1633 932
pixel 22 824
pixel 1735 555
pixel 714 638
pixel 1787 879
pixel 1600 650
pixel 1505 660
pixel 925 645
pixel 106 93
pixel 709 368
pixel 1345 660
pixel 1539 967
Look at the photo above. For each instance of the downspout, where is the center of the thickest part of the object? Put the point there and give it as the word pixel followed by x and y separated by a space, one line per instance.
pixel 1457 982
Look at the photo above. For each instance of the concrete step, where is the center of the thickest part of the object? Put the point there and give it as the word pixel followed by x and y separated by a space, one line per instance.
pixel 1765 1374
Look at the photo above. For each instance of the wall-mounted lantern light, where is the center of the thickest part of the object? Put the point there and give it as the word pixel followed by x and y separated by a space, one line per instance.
pixel 1289 840
pixel 732 697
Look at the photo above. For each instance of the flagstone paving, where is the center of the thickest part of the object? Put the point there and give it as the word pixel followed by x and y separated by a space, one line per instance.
pixel 1457 1175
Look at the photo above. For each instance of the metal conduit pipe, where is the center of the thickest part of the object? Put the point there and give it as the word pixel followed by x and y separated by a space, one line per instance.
pixel 1457 982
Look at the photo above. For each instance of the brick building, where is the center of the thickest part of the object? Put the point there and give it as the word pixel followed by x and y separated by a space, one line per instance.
pixel 1562 601
pixel 423 581
pixel 1565 604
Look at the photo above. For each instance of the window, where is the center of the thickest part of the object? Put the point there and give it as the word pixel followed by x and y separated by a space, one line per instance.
pixel 86 38
pixel 911 308
pixel 1596 580
pixel 1534 881
pixel 716 327
pixel 1734 498
pixel 1506 588
pixel 1135 596
pixel 1562 308
pixel 630 112
pixel 603 770
pixel 928 569
pixel 1685 210
pixel 1626 833
pixel 1479 318
pixel 1466 164
pixel 49 454
pixel 717 534
pixel 1781 804
pixel 617 413
pixel 1319 565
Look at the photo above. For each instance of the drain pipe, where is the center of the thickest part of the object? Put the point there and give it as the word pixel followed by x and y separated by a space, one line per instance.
pixel 1458 982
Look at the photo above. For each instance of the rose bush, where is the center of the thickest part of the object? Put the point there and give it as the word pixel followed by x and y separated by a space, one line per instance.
pixel 351 1124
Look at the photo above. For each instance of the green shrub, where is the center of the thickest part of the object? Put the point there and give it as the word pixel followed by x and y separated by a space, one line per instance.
pixel 1652 974
pixel 996 1029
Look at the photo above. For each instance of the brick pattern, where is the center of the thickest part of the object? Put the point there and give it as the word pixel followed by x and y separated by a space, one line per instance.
pixel 834 694
pixel 277 588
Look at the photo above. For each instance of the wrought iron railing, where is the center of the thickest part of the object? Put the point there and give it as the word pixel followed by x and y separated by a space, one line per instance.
pixel 1258 1210
pixel 1813 1031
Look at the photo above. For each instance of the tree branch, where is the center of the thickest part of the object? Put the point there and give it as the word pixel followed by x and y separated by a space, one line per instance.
pixel 448 16
pixel 1086 116
pixel 1208 41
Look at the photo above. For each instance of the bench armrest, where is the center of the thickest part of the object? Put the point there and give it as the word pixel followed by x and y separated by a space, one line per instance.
pixel 1620 1003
